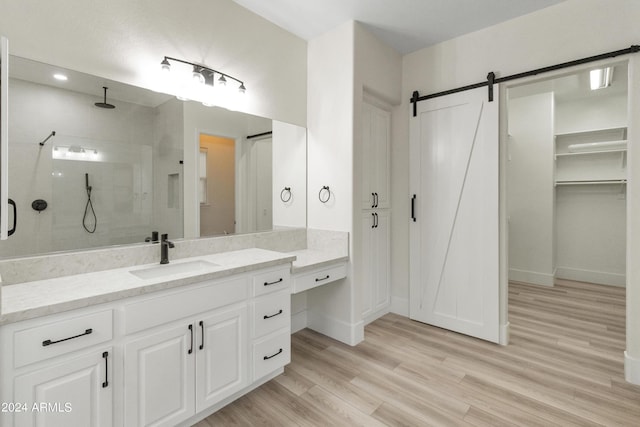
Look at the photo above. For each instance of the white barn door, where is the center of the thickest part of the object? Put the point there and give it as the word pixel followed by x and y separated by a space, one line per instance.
pixel 454 245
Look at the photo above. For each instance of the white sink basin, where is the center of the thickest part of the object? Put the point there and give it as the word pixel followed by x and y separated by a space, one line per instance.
pixel 161 270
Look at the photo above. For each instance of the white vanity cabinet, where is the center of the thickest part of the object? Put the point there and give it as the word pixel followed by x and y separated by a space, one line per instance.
pixel 164 354
pixel 185 367
pixel 58 371
pixel 177 369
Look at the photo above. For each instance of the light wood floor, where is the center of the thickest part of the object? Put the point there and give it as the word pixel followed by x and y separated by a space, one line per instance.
pixel 563 366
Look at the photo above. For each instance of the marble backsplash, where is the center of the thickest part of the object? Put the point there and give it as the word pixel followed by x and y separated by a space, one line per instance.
pixel 19 270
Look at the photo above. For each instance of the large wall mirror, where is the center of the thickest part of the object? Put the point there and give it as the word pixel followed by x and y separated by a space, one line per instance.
pixel 90 167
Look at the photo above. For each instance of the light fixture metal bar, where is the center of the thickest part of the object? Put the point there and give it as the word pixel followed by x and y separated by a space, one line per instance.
pixel 203 68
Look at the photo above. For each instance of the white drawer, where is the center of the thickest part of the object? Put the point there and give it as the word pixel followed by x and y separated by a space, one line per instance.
pixel 271 312
pixel 271 353
pixel 271 281
pixel 184 303
pixel 61 337
pixel 318 277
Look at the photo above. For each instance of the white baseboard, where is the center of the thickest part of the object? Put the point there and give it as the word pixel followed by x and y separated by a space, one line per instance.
pixel 532 277
pixel 600 277
pixel 400 306
pixel 631 369
pixel 374 316
pixel 504 334
pixel 348 333
pixel 299 321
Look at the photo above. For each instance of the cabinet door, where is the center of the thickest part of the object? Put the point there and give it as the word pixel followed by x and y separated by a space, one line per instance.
pixel 368 276
pixel 221 355
pixel 76 392
pixel 376 137
pixel 381 261
pixel 159 376
pixel 376 294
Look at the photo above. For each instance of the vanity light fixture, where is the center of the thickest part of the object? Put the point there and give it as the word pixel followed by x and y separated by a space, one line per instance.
pixel 601 78
pixel 203 75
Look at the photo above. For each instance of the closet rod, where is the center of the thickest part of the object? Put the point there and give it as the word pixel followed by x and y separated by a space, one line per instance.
pixel 492 79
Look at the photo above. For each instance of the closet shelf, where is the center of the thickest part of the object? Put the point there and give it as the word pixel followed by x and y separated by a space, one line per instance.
pixel 593 182
pixel 580 153
pixel 591 131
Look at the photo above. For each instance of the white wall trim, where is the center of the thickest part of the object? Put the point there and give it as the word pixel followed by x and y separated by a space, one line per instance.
pixel 631 369
pixel 399 306
pixel 376 315
pixel 299 321
pixel 600 277
pixel 504 333
pixel 348 333
pixel 532 277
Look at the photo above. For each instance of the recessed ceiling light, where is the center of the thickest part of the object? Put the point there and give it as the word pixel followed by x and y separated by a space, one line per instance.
pixel 60 77
pixel 601 78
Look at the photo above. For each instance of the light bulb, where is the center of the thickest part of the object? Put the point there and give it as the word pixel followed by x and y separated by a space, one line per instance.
pixel 222 81
pixel 242 89
pixel 197 75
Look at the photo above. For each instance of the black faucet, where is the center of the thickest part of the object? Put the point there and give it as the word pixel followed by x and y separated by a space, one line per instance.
pixel 153 238
pixel 164 248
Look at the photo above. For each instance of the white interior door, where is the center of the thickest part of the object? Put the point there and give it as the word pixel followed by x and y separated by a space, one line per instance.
pixel 454 262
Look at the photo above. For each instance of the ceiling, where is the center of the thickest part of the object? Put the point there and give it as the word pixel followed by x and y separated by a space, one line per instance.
pixel 405 25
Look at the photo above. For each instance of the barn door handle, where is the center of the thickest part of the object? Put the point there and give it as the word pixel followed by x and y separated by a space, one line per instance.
pixel 413 208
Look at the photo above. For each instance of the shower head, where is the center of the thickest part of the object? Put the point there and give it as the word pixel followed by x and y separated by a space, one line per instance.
pixel 105 104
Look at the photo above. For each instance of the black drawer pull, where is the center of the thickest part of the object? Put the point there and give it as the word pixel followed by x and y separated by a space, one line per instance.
pixel 322 278
pixel 273 355
pixel 273 283
pixel 273 315
pixel 105 356
pixel 191 331
pixel 49 342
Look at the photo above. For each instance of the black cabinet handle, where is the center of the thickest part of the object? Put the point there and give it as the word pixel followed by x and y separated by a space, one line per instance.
pixel 202 336
pixel 376 220
pixel 413 208
pixel 373 200
pixel 373 220
pixel 322 278
pixel 191 331
pixel 273 315
pixel 273 283
pixel 272 356
pixel 49 342
pixel 376 199
pixel 15 217
pixel 105 356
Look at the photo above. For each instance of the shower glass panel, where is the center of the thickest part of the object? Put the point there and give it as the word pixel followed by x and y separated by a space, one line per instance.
pixel 120 177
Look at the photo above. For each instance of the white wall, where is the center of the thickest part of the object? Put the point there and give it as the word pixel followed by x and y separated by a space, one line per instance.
pixel 530 190
pixel 289 170
pixel 570 30
pixel 125 40
pixel 341 65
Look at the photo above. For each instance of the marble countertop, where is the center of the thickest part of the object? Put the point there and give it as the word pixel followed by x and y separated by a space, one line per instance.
pixel 44 297
pixel 309 259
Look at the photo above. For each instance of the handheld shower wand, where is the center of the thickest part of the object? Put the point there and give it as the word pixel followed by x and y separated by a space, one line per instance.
pixel 89 206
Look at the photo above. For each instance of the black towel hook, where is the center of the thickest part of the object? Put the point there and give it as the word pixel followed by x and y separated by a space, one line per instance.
pixel 325 200
pixel 286 191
